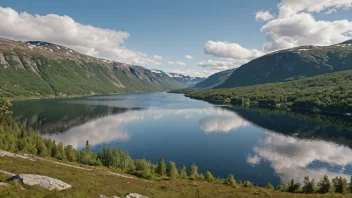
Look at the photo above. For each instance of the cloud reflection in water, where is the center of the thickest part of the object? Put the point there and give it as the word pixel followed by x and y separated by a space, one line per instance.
pixel 291 157
pixel 113 128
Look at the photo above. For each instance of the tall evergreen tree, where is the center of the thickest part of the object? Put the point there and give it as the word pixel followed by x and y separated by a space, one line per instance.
pixel 324 185
pixel 209 177
pixel 172 170
pixel 161 168
pixel 309 186
pixel 193 172
pixel 340 184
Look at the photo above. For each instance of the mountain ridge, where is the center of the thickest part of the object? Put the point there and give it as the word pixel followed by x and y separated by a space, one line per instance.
pixel 293 63
pixel 43 69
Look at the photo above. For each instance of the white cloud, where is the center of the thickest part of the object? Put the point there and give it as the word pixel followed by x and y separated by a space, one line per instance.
pixel 156 57
pixel 222 122
pixel 64 30
pixel 291 157
pixel 222 65
pixel 263 16
pixel 225 49
pixel 291 7
pixel 193 73
pixel 296 26
pixel 189 57
pixel 177 63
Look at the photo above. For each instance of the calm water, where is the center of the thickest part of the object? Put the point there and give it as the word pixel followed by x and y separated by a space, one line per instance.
pixel 253 144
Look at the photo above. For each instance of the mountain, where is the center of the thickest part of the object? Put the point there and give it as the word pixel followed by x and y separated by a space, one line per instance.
pixel 328 93
pixel 214 80
pixel 41 69
pixel 188 81
pixel 295 63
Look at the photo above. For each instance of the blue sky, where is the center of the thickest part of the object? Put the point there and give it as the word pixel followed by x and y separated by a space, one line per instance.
pixel 173 29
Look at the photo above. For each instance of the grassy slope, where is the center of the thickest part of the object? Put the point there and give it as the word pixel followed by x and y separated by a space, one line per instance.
pixel 330 92
pixel 93 183
pixel 37 72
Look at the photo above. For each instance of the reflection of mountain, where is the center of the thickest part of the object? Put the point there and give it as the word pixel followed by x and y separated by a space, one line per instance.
pixel 114 127
pixel 295 158
pixel 52 116
pixel 332 129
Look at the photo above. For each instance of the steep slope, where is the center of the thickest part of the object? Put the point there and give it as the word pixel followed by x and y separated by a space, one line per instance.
pixel 40 69
pixel 291 64
pixel 214 80
pixel 187 81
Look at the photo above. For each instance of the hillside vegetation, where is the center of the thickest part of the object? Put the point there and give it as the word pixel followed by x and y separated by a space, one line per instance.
pixel 329 92
pixel 290 64
pixel 40 69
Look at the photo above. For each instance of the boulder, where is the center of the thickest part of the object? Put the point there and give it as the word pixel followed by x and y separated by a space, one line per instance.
pixel 40 180
pixel 134 195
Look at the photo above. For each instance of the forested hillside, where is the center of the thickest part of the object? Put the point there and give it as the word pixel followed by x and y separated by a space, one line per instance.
pixel 329 92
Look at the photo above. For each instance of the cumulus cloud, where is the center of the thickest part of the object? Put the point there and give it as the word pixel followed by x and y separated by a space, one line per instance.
pixel 222 65
pixel 291 7
pixel 225 49
pixel 263 16
pixel 156 57
pixel 291 157
pixel 177 63
pixel 64 30
pixel 189 57
pixel 223 122
pixel 296 26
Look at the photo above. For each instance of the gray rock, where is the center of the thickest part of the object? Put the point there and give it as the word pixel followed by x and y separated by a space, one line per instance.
pixel 134 195
pixel 42 181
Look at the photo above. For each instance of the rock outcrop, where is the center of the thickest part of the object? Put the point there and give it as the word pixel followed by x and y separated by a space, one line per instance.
pixel 42 181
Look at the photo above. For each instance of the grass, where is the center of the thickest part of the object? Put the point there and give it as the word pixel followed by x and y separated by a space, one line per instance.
pixel 97 181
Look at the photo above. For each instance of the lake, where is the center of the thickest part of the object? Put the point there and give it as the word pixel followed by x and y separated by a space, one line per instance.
pixel 260 145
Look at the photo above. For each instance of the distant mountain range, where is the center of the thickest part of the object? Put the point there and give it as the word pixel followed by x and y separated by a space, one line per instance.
pixel 290 64
pixel 214 80
pixel 187 81
pixel 42 69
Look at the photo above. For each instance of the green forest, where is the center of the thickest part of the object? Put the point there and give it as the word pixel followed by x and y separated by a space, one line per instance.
pixel 329 92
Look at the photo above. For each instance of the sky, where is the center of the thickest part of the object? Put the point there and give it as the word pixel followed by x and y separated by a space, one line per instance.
pixel 193 37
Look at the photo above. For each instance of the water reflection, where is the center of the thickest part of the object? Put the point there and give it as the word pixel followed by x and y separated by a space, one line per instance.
pixel 295 158
pixel 114 128
pixel 259 145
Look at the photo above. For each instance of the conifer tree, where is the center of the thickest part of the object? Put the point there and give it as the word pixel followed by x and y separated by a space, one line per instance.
pixel 208 176
pixel 193 172
pixel 161 168
pixel 172 170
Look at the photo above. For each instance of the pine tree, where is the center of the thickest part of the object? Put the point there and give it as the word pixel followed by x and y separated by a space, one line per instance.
pixel 161 168
pixel 193 172
pixel 209 177
pixel 324 185
pixel 172 170
pixel 340 184
pixel 309 186
pixel 70 153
